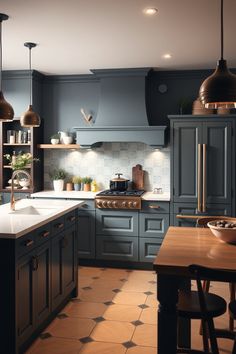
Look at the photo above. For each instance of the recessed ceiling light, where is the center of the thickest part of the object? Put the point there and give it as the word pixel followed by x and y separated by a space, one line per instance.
pixel 167 56
pixel 150 11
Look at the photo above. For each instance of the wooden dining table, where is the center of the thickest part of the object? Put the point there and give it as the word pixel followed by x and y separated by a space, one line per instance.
pixel 181 247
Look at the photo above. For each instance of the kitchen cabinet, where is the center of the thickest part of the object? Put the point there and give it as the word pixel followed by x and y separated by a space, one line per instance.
pixel 27 144
pixel 40 275
pixel 117 235
pixel 153 224
pixel 202 165
pixel 86 234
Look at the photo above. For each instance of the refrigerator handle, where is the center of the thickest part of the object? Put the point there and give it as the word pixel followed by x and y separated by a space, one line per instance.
pixel 204 178
pixel 199 174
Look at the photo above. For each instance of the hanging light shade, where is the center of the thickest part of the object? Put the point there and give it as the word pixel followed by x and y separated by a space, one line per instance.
pixel 219 89
pixel 6 110
pixel 30 118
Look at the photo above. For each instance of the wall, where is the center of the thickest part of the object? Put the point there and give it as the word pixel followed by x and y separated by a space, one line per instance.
pixel 102 163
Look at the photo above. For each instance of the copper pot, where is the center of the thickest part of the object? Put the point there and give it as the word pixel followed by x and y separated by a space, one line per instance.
pixel 119 183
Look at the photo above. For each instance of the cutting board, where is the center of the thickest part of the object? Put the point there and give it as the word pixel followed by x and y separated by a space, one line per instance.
pixel 138 177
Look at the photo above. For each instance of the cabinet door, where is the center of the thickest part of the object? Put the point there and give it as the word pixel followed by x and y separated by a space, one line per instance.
pixel 153 225
pixel 120 223
pixel 42 284
pixel 69 260
pixel 86 234
pixel 25 296
pixel 56 270
pixel 186 137
pixel 217 136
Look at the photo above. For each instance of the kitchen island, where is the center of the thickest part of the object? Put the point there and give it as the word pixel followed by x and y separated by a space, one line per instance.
pixel 39 273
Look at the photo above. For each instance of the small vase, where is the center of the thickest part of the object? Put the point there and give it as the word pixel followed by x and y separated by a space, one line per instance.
pixel 58 185
pixel 69 186
pixel 77 186
pixel 87 187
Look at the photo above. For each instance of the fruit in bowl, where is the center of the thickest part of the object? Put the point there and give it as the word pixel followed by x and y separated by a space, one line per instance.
pixel 225 230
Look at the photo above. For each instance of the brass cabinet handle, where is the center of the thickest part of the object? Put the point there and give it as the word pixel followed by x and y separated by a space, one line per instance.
pixel 45 234
pixel 59 225
pixel 199 173
pixel 29 243
pixel 154 206
pixel 204 179
pixel 34 263
pixel 71 218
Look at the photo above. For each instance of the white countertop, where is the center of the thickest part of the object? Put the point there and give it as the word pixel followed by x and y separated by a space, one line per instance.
pixel 31 214
pixel 91 195
pixel 65 194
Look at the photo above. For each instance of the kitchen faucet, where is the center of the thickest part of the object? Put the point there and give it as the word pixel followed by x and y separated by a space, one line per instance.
pixel 14 174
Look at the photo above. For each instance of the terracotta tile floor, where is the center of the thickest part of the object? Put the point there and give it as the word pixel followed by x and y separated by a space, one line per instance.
pixel 115 312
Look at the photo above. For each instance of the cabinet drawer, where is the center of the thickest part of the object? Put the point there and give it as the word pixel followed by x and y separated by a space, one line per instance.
pixel 88 205
pixel 70 218
pixel 148 248
pixel 155 207
pixel 117 248
pixel 153 225
pixel 117 223
pixel 58 225
pixel 43 234
pixel 25 244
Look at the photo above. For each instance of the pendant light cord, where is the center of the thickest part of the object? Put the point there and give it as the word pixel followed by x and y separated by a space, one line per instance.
pixel 222 29
pixel 0 55
pixel 30 76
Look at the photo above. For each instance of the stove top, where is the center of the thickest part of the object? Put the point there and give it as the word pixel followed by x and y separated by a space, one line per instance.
pixel 130 193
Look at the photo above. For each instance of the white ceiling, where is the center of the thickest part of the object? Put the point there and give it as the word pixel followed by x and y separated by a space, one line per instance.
pixel 74 36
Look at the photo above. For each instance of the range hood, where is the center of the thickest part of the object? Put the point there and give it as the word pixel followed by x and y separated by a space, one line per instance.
pixel 122 115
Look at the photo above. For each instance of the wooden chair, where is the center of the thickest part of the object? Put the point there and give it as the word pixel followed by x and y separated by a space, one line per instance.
pixel 205 306
pixel 202 222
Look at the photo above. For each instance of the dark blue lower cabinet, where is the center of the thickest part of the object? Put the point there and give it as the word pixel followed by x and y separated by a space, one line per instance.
pixel 148 248
pixel 120 248
pixel 86 234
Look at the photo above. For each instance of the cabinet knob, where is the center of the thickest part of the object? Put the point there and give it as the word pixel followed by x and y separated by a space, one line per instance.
pixel 154 206
pixel 124 204
pixel 109 203
pixel 114 204
pixel 71 218
pixel 59 225
pixel 104 204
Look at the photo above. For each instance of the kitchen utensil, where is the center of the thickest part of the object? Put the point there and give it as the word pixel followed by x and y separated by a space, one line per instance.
pixel 67 140
pixel 119 183
pixel 138 177
pixel 62 136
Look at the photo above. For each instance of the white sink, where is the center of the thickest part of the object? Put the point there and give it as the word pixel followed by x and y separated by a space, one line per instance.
pixel 32 210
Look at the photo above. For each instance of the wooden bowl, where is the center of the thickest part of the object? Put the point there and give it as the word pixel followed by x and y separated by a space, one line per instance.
pixel 224 234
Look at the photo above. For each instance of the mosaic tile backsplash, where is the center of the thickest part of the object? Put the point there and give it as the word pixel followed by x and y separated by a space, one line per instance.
pixel 102 163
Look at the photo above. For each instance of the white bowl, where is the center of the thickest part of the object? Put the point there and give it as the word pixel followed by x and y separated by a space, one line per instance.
pixel 224 234
pixel 24 183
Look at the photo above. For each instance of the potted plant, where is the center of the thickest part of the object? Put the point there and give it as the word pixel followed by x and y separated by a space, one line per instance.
pixel 55 138
pixel 69 186
pixel 76 180
pixel 87 183
pixel 58 176
pixel 20 161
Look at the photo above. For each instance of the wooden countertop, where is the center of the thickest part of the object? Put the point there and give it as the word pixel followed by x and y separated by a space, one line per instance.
pixel 183 246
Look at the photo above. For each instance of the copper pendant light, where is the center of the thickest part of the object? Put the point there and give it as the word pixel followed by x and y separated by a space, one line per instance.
pixel 219 89
pixel 6 110
pixel 30 118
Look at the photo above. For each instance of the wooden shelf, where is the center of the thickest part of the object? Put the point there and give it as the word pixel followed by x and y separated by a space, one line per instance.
pixel 58 146
pixel 16 144
pixel 8 166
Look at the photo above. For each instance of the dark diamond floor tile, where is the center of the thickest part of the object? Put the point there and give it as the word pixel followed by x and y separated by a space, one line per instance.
pixel 108 303
pixel 103 269
pixel 95 277
pixel 137 323
pixel 86 340
pixel 87 288
pixel 148 293
pixel 116 290
pixel 99 319
pixel 129 344
pixel 123 279
pixel 61 316
pixel 143 306
pixel 152 282
pixel 45 335
pixel 129 270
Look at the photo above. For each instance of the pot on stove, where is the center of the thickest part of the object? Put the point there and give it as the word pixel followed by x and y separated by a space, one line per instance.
pixel 119 183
